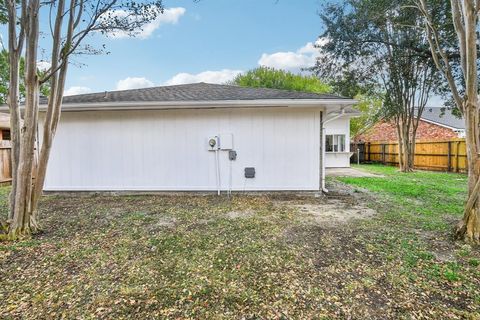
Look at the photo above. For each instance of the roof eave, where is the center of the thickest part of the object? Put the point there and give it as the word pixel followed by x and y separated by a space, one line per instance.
pixel 153 105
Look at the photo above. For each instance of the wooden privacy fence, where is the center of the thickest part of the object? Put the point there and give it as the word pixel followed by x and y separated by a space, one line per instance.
pixel 449 155
pixel 5 162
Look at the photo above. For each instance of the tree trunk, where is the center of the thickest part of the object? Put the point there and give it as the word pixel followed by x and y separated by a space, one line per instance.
pixel 411 159
pixel 407 141
pixel 23 223
pixel 13 101
pixel 13 97
pixel 48 135
pixel 469 227
pixel 400 145
pixel 408 157
pixel 404 146
pixel 413 140
pixel 52 116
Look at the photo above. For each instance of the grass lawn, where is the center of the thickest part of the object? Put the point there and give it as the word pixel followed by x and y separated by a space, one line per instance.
pixel 251 257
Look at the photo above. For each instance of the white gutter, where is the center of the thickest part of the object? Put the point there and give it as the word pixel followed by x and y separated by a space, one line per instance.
pixel 342 113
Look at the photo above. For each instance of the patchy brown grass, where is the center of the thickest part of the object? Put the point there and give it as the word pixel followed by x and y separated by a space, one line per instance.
pixel 252 257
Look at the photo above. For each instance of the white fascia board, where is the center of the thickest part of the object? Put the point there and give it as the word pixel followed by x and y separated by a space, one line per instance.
pixel 147 105
pixel 337 112
pixel 350 115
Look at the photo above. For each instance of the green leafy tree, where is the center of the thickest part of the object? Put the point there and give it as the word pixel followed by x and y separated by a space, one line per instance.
pixel 3 12
pixel 383 44
pixel 369 107
pixel 348 84
pixel 264 77
pixel 5 78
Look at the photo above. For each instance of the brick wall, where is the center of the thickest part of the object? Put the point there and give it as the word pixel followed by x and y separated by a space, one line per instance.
pixel 387 131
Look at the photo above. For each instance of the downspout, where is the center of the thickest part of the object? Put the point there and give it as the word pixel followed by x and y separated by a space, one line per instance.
pixel 342 112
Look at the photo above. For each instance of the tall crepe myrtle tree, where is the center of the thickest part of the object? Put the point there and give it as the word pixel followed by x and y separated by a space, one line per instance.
pixel 70 22
pixel 463 84
pixel 382 43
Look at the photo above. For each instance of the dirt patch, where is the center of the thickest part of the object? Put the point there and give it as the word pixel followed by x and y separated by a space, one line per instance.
pixel 340 205
pixel 239 214
pixel 334 211
pixel 162 223
pixel 335 208
pixel 351 172
pixel 166 222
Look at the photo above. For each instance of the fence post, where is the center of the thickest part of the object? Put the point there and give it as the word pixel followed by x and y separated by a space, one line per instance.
pixel 449 161
pixel 383 153
pixel 368 152
pixel 456 157
pixel 358 155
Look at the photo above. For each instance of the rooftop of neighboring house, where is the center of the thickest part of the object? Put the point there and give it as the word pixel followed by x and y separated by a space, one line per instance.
pixel 436 124
pixel 443 117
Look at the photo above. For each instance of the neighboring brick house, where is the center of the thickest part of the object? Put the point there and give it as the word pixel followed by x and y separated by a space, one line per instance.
pixel 433 126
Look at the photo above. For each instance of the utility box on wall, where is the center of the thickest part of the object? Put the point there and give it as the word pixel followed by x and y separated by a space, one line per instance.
pixel 226 141
pixel 250 172
pixel 212 143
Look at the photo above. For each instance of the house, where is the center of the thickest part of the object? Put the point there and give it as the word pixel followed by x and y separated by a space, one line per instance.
pixel 452 126
pixel 198 137
pixel 434 125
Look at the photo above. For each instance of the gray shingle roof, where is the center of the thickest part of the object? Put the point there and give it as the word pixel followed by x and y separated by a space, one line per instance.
pixel 445 118
pixel 192 92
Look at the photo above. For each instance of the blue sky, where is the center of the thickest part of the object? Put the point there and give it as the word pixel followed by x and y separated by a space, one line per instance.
pixel 209 40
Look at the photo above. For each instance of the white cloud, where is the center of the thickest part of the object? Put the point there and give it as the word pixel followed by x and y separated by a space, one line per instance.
pixel 76 90
pixel 134 83
pixel 304 57
pixel 169 16
pixel 221 76
pixel 43 65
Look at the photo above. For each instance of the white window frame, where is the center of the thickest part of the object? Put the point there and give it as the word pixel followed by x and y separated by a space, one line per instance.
pixel 338 143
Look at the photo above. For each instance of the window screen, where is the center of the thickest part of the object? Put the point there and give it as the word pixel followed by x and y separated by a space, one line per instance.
pixel 335 143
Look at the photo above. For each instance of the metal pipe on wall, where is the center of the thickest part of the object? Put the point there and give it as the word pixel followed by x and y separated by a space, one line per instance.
pixel 342 112
pixel 217 162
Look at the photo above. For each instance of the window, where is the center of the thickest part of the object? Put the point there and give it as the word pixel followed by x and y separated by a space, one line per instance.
pixel 335 143
pixel 5 134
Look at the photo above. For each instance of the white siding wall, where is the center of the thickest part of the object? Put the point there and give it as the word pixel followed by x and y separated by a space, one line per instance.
pixel 167 150
pixel 339 159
